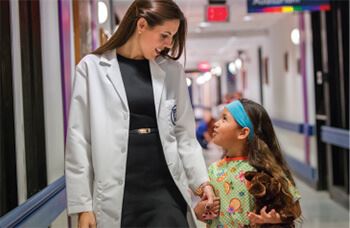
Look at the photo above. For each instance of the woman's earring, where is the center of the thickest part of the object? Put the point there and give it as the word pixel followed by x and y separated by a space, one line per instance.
pixel 139 31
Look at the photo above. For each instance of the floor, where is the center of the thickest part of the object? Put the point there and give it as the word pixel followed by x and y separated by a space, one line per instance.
pixel 319 211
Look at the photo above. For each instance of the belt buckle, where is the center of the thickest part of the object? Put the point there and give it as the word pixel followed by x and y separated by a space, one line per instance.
pixel 144 130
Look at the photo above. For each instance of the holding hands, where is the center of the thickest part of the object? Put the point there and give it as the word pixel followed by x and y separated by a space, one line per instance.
pixel 209 206
pixel 205 212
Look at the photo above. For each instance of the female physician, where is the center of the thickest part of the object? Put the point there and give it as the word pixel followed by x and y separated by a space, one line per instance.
pixel 131 152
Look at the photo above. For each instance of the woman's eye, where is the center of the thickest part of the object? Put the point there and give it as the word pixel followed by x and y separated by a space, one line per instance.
pixel 164 36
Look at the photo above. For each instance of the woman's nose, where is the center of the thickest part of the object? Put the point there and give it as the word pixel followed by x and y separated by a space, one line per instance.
pixel 168 43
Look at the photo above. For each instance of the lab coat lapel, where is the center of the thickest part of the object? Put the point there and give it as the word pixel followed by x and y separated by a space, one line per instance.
pixel 158 76
pixel 114 76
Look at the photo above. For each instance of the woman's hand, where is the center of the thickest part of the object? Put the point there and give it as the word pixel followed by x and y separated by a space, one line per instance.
pixel 265 218
pixel 203 214
pixel 208 194
pixel 199 210
pixel 87 220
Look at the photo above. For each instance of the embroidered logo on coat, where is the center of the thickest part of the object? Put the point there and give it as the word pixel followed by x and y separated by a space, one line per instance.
pixel 173 115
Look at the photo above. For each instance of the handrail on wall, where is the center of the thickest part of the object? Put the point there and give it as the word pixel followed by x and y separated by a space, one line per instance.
pixel 335 136
pixel 40 210
pixel 300 128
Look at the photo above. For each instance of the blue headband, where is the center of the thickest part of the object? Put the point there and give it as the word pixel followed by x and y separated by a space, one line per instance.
pixel 240 115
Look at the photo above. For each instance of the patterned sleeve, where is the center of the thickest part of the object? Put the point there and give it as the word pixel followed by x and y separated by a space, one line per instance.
pixel 211 171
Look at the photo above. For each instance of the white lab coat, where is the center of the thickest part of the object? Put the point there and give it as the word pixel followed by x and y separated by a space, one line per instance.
pixel 97 138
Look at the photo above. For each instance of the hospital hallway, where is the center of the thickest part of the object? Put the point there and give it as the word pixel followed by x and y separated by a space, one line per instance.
pixel 66 88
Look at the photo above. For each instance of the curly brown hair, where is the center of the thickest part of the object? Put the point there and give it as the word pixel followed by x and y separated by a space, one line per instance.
pixel 264 151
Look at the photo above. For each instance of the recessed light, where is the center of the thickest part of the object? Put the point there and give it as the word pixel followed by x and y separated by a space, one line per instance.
pixel 102 12
pixel 204 24
pixel 247 18
pixel 295 36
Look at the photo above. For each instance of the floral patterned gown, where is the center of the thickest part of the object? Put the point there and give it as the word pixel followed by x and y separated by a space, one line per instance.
pixel 227 178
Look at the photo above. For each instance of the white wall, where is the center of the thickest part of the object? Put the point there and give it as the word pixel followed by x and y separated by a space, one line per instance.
pixel 222 57
pixel 283 96
pixel 251 65
pixel 53 107
pixel 204 94
pixel 53 104
pixel 18 103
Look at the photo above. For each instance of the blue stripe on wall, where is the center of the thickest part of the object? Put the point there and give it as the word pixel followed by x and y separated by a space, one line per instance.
pixel 301 169
pixel 299 128
pixel 294 127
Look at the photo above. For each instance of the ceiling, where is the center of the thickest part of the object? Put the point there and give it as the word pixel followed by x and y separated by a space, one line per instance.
pixel 217 38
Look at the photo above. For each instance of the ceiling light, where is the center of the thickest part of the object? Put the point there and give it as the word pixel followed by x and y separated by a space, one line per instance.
pixel 238 63
pixel 217 71
pixel 232 68
pixel 295 36
pixel 204 25
pixel 102 12
pixel 189 82
pixel 203 78
pixel 247 18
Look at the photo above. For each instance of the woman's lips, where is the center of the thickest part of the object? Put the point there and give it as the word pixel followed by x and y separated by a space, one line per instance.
pixel 158 51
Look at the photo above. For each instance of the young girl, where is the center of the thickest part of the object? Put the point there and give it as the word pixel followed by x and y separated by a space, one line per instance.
pixel 246 133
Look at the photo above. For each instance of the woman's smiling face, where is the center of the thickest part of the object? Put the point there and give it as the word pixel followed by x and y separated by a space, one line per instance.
pixel 154 40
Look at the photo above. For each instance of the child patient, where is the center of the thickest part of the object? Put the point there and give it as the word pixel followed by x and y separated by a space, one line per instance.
pixel 246 133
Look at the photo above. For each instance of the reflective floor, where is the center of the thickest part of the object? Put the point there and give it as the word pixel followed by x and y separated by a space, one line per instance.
pixel 319 211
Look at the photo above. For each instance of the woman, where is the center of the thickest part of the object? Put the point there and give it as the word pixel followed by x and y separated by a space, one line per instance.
pixel 131 147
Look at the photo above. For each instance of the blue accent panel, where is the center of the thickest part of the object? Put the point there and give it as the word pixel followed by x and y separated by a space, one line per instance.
pixel 295 127
pixel 335 136
pixel 306 171
pixel 40 210
pixel 308 129
pixel 300 128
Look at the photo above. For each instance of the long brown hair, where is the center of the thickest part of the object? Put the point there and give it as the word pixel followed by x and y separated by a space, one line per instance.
pixel 155 12
pixel 264 151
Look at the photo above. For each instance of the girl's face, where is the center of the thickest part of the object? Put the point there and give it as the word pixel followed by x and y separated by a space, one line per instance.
pixel 153 40
pixel 227 133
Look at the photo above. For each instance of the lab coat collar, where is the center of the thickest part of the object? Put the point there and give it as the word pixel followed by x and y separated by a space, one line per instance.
pixel 114 76
pixel 158 76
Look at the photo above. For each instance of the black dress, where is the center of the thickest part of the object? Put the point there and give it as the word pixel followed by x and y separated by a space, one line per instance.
pixel 151 198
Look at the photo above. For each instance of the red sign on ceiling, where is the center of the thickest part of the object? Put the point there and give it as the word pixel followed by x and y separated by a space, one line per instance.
pixel 217 13
pixel 204 66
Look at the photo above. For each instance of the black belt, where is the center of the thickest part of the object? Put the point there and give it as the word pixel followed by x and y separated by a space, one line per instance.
pixel 143 131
